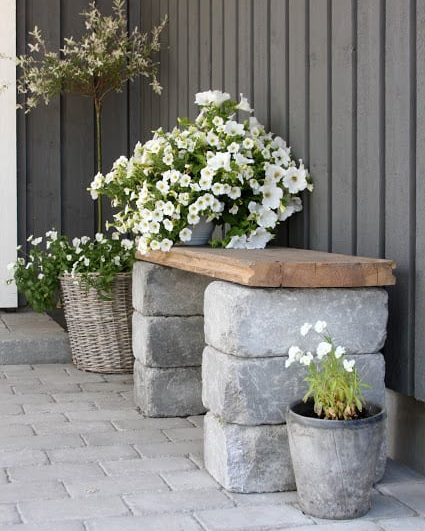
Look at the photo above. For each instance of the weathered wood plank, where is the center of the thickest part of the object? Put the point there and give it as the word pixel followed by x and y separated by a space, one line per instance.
pixel 77 124
pixel 156 99
pixel 146 90
pixel 134 90
pixel 398 193
pixel 245 59
pixel 370 137
pixel 44 187
pixel 183 67
pixel 261 62
pixel 320 141
pixel 217 28
pixel 230 34
pixel 193 56
pixel 173 66
pixel 343 123
pixel 205 44
pixel 298 106
pixel 278 267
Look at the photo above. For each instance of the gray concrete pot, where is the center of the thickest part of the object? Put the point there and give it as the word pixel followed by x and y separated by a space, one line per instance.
pixel 334 460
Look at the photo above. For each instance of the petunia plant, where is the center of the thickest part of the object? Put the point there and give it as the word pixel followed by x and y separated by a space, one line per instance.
pixel 334 384
pixel 37 275
pixel 213 169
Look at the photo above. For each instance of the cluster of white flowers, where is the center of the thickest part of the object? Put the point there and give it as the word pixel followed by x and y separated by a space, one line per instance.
pixel 215 169
pixel 324 348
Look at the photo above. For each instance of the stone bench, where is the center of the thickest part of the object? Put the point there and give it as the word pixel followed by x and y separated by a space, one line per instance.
pixel 248 307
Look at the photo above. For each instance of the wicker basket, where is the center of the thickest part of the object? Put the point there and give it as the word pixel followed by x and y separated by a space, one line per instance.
pixel 99 330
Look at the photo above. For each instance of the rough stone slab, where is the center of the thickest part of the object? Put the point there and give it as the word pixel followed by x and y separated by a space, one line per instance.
pixel 159 290
pixel 252 322
pixel 248 458
pixel 258 390
pixel 175 392
pixel 168 341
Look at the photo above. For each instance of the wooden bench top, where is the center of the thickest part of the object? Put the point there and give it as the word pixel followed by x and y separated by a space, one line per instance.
pixel 278 267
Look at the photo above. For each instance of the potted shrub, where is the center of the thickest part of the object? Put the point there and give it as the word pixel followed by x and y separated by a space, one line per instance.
pixel 93 279
pixel 214 170
pixel 335 437
pixel 94 275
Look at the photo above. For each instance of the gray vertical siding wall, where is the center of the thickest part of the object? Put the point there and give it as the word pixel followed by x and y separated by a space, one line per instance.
pixel 342 80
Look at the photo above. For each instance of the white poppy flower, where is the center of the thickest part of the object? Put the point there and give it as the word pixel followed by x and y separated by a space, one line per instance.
pixel 320 326
pixel 339 351
pixel 323 349
pixel 305 329
pixel 349 365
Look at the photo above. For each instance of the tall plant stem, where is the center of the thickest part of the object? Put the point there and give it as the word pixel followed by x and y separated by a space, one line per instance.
pixel 98 108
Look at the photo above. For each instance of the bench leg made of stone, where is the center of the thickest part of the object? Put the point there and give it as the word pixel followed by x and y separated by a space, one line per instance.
pixel 246 388
pixel 168 339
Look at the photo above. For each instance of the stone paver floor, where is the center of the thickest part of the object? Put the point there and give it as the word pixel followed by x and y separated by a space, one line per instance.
pixel 75 455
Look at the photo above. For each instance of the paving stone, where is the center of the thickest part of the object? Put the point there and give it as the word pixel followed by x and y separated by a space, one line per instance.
pixel 185 434
pixel 10 458
pixel 136 466
pixel 72 508
pixel 47 526
pixel 91 453
pixel 157 423
pixel 74 379
pixel 59 408
pixel 183 396
pixel 122 404
pixel 198 459
pixel 15 430
pixel 248 458
pixel 6 390
pixel 357 318
pixel 179 522
pixel 159 290
pixel 397 473
pixel 244 518
pixel 259 390
pixel 402 524
pixel 60 471
pixel 41 442
pixel 104 414
pixel 410 493
pixel 124 437
pixel 25 389
pixel 197 420
pixel 168 341
pixel 35 345
pixel 193 479
pixel 23 490
pixel 334 525
pixel 34 398
pixel 30 418
pixel 115 485
pixel 43 428
pixel 87 397
pixel 170 449
pixel 108 387
pixel 268 498
pixel 177 501
pixel 8 514
pixel 15 368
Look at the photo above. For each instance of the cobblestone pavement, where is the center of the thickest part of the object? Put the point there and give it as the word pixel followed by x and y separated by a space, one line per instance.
pixel 75 455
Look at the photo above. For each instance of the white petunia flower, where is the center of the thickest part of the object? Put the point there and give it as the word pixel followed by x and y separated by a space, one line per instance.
pixel 305 329
pixel 99 237
pixel 155 245
pixel 36 241
pixel 237 242
pixel 117 260
pixel 211 97
pixel 234 210
pixel 193 219
pixel 233 128
pixel 165 245
pixel 349 365
pixel 127 244
pixel 272 196
pixel 233 147
pixel 323 349
pixel 220 160
pixel 248 143
pixel 241 160
pixel 339 351
pixel 295 179
pixel 244 105
pixel 267 219
pixel 40 276
pixel 185 235
pixel 154 227
pixel 274 173
pixel 217 121
pixel 185 181
pixel 163 187
pixel 258 239
pixel 217 189
pixel 234 192
pixel 320 326
pixel 115 236
pixel 87 262
pixel 168 225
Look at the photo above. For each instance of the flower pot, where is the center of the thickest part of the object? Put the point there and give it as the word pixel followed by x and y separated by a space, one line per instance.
pixel 99 330
pixel 201 233
pixel 334 460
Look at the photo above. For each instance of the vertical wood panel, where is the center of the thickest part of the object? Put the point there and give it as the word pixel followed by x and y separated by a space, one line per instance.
pixel 183 70
pixel 173 66
pixel 245 49
pixel 205 44
pixel 193 55
pixel 398 223
pixel 420 210
pixel 261 61
pixel 134 101
pixel 156 117
pixel 77 143
pixel 298 103
pixel 43 135
pixel 370 149
pixel 320 141
pixel 230 83
pixel 146 90
pixel 343 120
pixel 217 8
pixel 164 55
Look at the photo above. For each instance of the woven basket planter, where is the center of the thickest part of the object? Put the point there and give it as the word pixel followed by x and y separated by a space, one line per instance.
pixel 99 330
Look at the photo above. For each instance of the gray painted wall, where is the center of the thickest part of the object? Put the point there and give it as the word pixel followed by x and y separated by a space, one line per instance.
pixel 342 80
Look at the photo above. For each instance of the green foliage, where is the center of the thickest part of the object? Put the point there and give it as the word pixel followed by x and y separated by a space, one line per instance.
pixel 103 60
pixel 37 275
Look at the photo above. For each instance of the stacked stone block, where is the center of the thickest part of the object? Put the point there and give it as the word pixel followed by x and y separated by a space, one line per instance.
pixel 168 339
pixel 246 387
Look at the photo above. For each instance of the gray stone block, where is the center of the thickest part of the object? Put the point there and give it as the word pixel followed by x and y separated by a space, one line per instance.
pixel 258 390
pixel 172 392
pixel 159 290
pixel 256 322
pixel 168 341
pixel 248 458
